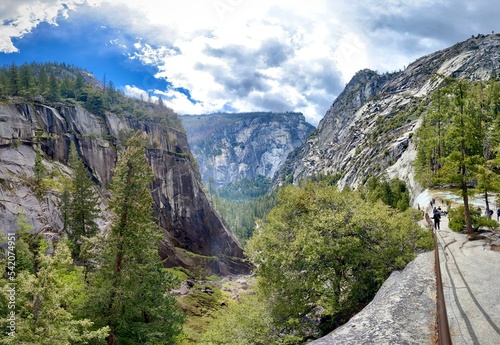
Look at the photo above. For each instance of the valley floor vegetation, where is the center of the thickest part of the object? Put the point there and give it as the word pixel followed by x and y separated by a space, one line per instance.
pixel 321 255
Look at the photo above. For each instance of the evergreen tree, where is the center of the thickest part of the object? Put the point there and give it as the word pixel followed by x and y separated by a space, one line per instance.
pixel 54 93
pixel 26 81
pixel 464 140
pixel 130 285
pixel 43 81
pixel 79 84
pixel 469 136
pixel 4 84
pixel 14 82
pixel 39 172
pixel 67 89
pixel 83 207
pixel 45 301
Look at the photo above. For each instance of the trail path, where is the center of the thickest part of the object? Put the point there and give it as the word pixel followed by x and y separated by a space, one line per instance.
pixel 471 283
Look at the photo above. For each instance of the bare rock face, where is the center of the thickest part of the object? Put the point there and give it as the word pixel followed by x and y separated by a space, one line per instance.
pixel 229 147
pixel 194 235
pixel 368 128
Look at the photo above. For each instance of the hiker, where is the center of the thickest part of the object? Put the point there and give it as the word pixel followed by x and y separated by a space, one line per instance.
pixel 498 213
pixel 437 219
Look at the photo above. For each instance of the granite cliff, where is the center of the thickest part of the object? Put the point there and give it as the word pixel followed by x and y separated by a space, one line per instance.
pixel 368 128
pixel 229 147
pixel 194 235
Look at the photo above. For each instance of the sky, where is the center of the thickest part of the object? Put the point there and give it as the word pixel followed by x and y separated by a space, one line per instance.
pixel 208 56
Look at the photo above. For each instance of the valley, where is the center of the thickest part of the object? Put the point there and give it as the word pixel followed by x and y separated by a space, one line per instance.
pixel 251 228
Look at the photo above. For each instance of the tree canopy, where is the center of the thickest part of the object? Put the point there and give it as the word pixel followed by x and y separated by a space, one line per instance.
pixel 459 139
pixel 323 253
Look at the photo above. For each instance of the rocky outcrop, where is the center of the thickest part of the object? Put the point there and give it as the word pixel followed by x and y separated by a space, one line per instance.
pixel 368 128
pixel 194 235
pixel 402 312
pixel 229 147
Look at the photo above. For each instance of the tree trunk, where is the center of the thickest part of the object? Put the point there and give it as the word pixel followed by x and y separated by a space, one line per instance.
pixel 487 204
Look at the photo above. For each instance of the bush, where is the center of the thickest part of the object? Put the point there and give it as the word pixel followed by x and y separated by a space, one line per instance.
pixel 457 219
pixel 323 253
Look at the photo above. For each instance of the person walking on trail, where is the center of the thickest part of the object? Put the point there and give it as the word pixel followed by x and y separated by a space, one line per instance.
pixel 437 218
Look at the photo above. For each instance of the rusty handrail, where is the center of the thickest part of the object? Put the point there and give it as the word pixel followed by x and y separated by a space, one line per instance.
pixel 442 327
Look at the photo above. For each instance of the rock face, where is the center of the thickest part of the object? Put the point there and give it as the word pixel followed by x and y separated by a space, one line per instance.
pixel 368 128
pixel 194 235
pixel 229 147
pixel 402 312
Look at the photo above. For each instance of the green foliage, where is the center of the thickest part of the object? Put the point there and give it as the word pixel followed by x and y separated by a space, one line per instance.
pixel 200 306
pixel 130 287
pixel 393 193
pixel 248 322
pixel 39 172
pixel 245 189
pixel 83 204
pixel 457 219
pixel 45 301
pixel 241 215
pixel 60 83
pixel 328 251
pixel 458 139
pixel 27 245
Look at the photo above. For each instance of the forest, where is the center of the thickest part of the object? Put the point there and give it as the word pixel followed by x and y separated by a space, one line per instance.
pixel 55 83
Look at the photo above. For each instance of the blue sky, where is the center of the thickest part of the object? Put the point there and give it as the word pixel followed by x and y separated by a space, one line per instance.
pixel 205 56
pixel 87 43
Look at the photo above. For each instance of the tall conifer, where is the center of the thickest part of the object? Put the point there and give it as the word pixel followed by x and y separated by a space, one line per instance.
pixel 83 207
pixel 131 286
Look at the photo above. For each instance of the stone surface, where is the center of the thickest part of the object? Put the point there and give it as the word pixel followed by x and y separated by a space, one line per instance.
pixel 470 283
pixel 193 232
pixel 347 140
pixel 402 312
pixel 243 145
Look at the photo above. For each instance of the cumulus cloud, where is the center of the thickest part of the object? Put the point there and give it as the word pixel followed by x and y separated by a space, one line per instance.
pixel 21 16
pixel 242 55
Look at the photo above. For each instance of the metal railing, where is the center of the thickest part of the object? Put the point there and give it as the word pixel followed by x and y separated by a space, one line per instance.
pixel 442 328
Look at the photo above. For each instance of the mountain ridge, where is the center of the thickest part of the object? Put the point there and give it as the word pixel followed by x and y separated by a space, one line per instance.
pixel 235 146
pixel 369 126
pixel 195 237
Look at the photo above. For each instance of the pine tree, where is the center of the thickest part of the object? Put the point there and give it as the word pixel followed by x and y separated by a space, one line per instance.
pixel 14 80
pixel 83 207
pixel 465 149
pixel 54 93
pixel 45 302
pixel 26 81
pixel 39 172
pixel 43 81
pixel 79 84
pixel 131 285
pixel 463 158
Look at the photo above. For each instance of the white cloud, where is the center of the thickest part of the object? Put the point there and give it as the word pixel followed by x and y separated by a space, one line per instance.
pixel 21 16
pixel 265 54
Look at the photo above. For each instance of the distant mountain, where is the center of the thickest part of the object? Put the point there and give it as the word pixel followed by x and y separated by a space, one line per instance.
pixel 369 127
pixel 230 147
